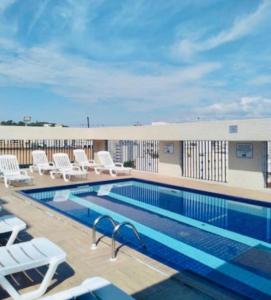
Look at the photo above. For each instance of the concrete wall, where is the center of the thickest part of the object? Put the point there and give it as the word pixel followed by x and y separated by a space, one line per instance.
pixel 169 164
pixel 242 172
pixel 245 172
pixel 253 130
pixel 46 133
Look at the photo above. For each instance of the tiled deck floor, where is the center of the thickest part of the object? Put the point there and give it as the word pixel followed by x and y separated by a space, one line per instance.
pixel 138 275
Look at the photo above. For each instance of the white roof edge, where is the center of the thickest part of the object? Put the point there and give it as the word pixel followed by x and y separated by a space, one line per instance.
pixel 246 130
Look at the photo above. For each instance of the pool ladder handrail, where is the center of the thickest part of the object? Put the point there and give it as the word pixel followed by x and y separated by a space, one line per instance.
pixel 116 229
pixel 95 223
pixel 114 234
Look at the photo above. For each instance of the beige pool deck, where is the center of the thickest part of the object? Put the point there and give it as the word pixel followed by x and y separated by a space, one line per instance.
pixel 137 274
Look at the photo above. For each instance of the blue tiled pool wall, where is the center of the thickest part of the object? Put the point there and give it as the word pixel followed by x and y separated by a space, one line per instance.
pixel 208 242
pixel 202 207
pixel 170 257
pixel 145 181
pixel 208 209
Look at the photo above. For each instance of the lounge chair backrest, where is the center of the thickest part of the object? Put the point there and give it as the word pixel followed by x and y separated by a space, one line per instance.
pixel 105 159
pixel 62 161
pixel 80 156
pixel 40 158
pixel 9 165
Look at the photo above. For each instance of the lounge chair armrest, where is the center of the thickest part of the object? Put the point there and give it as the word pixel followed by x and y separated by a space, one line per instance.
pixel 119 165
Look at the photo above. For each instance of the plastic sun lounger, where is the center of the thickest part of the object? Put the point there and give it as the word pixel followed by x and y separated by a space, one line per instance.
pixel 10 170
pixel 108 165
pixel 65 168
pixel 41 163
pixel 26 256
pixel 13 225
pixel 93 289
pixel 83 161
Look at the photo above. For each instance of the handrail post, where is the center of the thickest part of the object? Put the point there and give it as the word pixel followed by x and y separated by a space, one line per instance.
pixel 95 223
pixel 114 234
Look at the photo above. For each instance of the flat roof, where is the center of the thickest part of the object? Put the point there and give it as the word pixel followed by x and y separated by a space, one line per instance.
pixel 231 130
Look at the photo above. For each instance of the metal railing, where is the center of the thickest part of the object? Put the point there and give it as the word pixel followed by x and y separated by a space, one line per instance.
pixel 23 148
pixel 207 160
pixel 115 232
pixel 94 227
pixel 116 229
pixel 140 154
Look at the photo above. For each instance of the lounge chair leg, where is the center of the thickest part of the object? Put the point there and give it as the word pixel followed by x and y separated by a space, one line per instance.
pixel 13 237
pixel 34 294
pixel 9 288
pixel 112 173
pixel 66 178
pixel 6 182
pixel 52 175
pixel 97 171
pixel 45 283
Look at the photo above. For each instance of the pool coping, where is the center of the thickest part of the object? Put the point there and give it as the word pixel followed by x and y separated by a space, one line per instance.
pixel 26 193
pixel 263 203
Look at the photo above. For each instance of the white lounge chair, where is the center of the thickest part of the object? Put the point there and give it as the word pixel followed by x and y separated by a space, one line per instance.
pixel 10 170
pixel 83 161
pixel 108 165
pixel 26 256
pixel 65 168
pixel 13 225
pixel 41 163
pixel 97 287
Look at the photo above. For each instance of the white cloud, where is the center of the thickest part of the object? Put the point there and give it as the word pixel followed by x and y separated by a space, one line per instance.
pixel 87 81
pixel 241 27
pixel 246 107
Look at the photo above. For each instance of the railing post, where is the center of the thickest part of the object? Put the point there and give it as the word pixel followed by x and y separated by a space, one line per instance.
pixel 115 232
pixel 95 223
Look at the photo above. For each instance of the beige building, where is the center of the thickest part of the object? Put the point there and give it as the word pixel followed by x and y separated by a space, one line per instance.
pixel 231 152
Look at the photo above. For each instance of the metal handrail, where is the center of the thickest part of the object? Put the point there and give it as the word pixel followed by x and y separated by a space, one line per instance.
pixel 95 223
pixel 114 234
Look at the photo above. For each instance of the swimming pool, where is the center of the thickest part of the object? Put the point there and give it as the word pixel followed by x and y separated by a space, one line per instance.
pixel 218 237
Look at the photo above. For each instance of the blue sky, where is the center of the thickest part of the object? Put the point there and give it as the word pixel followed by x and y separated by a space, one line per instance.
pixel 134 60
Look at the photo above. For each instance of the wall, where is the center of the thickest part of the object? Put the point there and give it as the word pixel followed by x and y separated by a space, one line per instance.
pixel 242 172
pixel 46 133
pixel 254 130
pixel 169 164
pixel 248 173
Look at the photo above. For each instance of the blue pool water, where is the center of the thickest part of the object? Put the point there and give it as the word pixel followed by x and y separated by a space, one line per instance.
pixel 218 237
